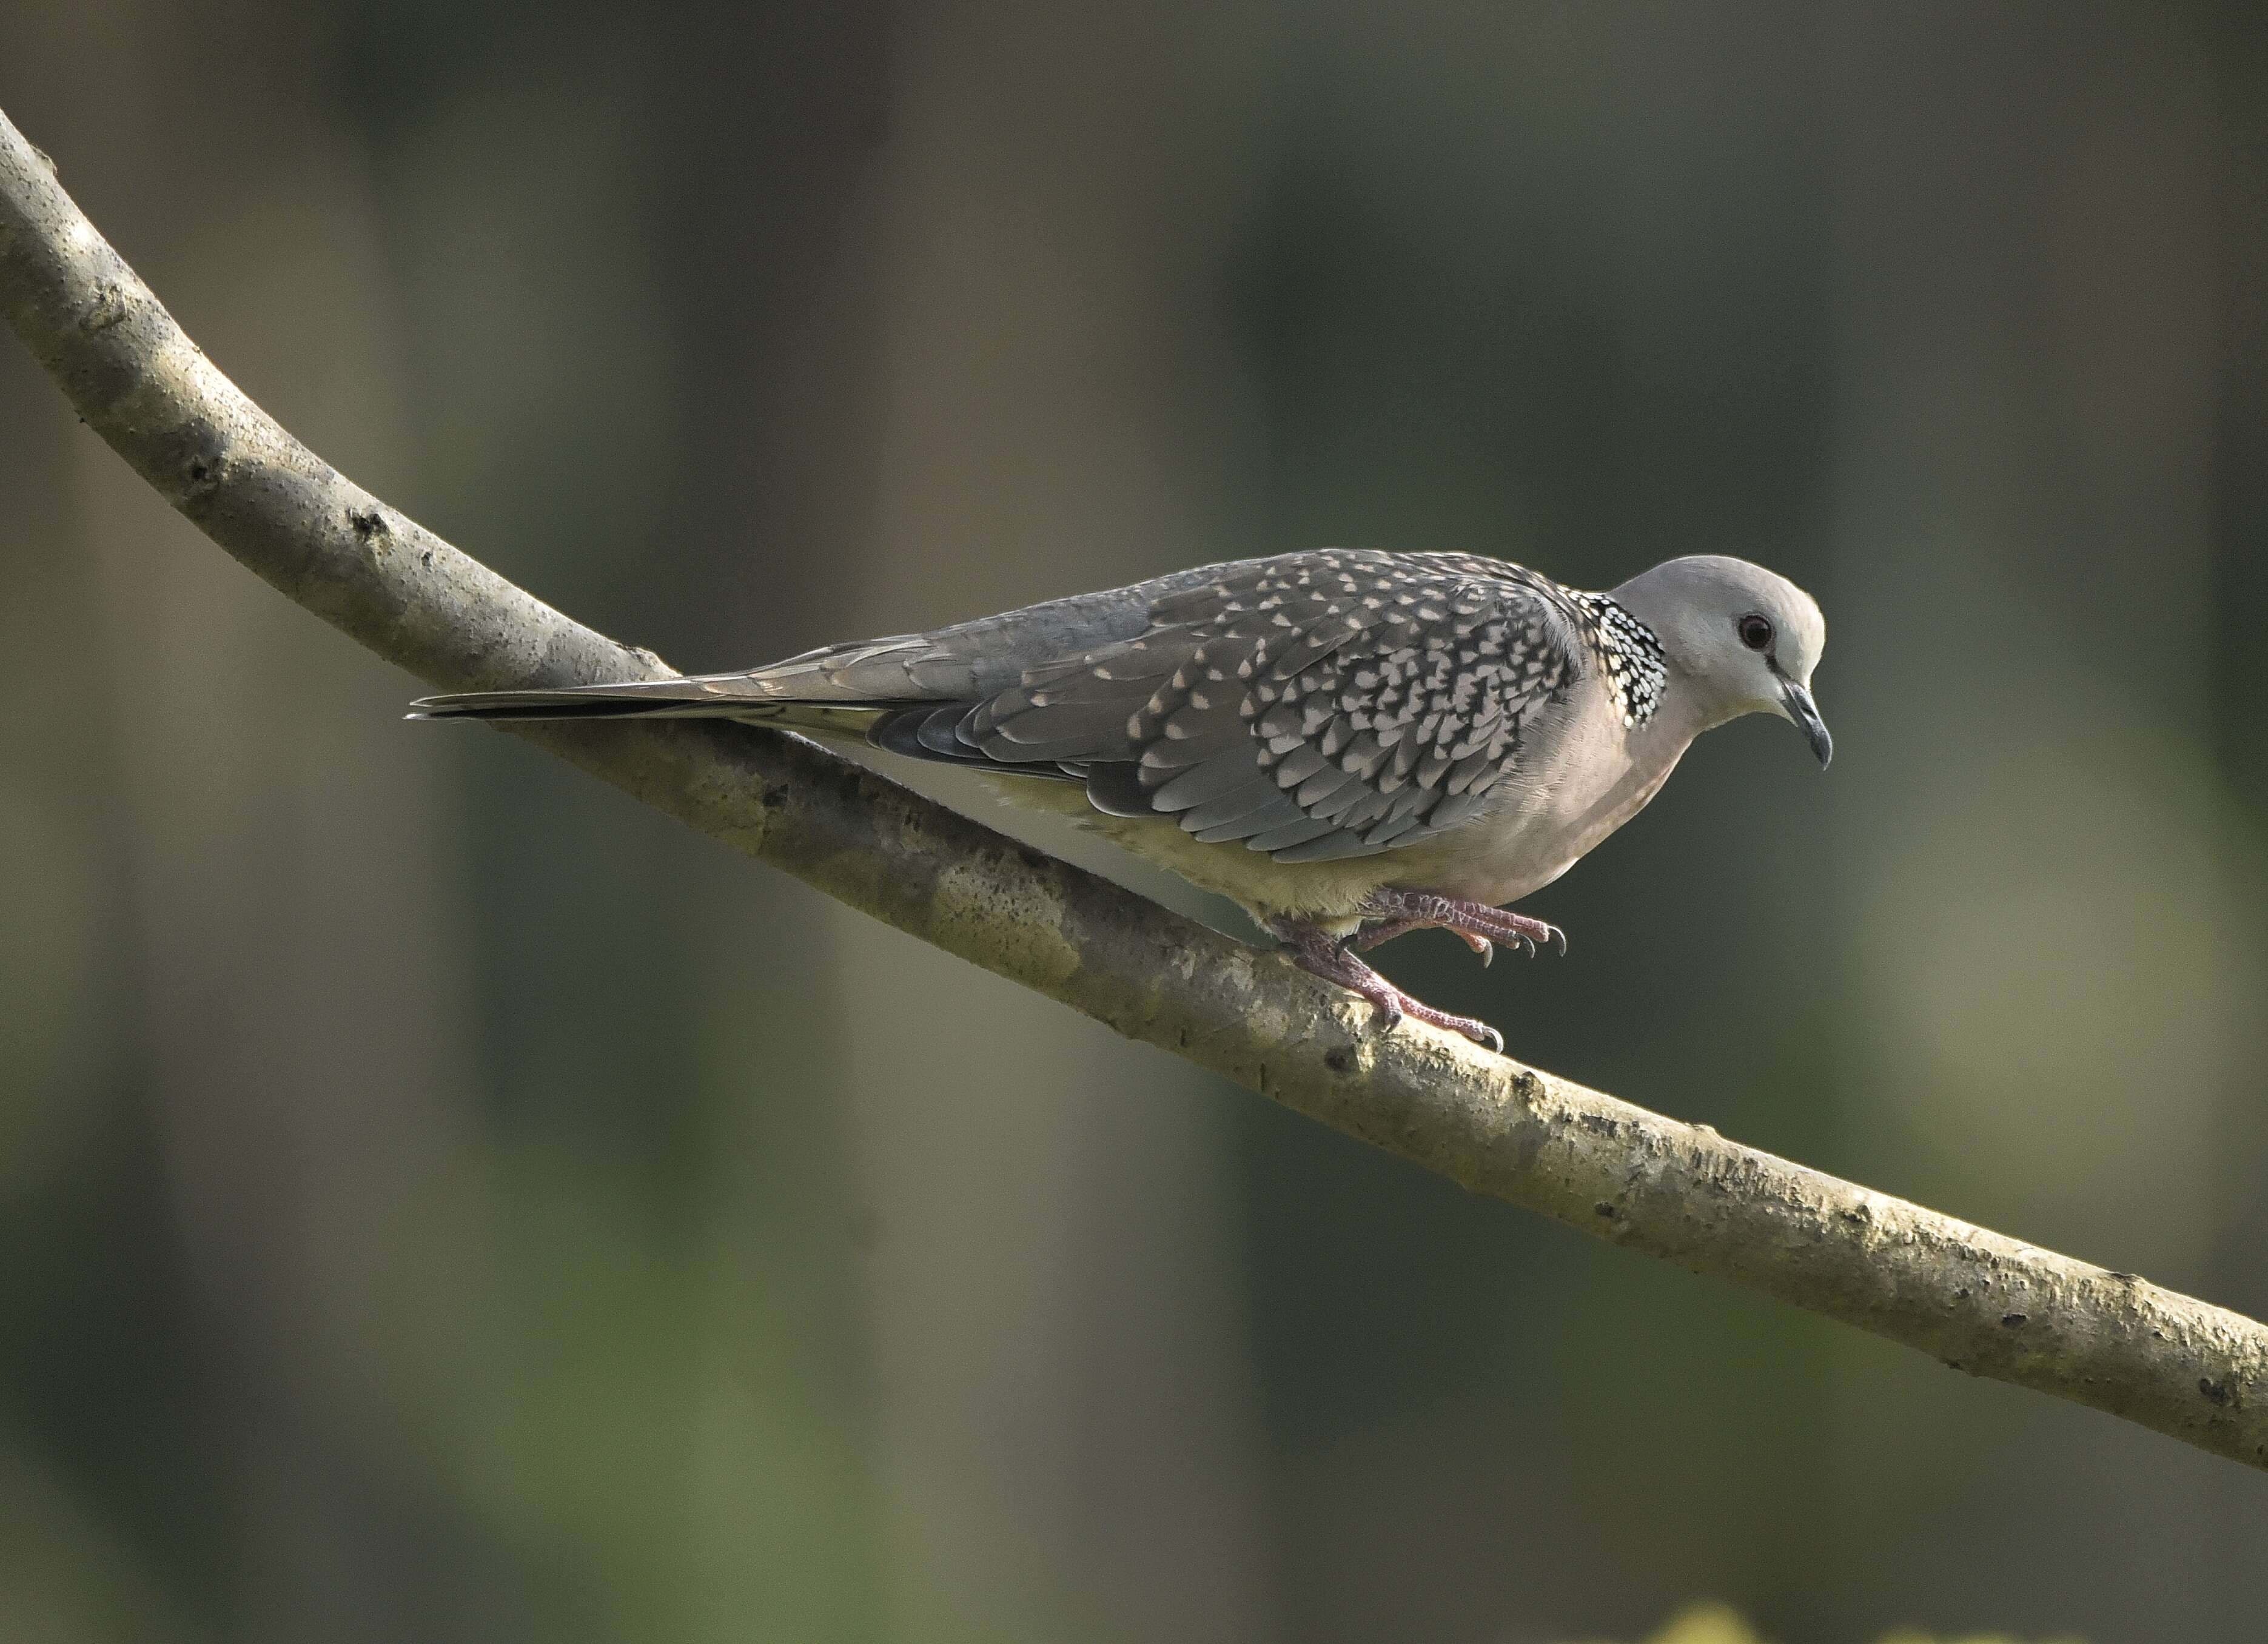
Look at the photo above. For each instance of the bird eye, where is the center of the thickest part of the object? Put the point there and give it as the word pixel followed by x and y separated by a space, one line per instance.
pixel 1757 632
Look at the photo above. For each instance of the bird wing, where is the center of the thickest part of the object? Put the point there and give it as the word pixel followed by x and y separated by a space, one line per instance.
pixel 1313 706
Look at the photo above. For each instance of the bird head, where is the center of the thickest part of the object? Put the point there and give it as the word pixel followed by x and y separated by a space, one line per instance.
pixel 1742 640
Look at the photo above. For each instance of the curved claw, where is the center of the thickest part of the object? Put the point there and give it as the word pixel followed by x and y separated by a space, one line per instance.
pixel 1479 1032
pixel 1391 1014
pixel 1538 935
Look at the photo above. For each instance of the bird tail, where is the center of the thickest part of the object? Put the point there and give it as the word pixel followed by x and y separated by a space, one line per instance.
pixel 840 688
pixel 666 699
pixel 843 688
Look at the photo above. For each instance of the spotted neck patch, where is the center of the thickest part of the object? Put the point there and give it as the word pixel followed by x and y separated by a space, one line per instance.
pixel 1631 654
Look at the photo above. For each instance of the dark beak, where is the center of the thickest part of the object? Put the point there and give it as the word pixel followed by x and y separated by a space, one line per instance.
pixel 1805 712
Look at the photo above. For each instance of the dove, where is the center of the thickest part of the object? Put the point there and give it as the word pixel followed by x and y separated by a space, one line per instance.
pixel 1352 744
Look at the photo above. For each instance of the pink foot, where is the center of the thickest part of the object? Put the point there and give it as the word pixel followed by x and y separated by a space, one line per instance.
pixel 1477 923
pixel 1320 954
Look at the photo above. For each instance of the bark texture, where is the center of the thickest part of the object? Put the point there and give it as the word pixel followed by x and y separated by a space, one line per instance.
pixel 1974 1299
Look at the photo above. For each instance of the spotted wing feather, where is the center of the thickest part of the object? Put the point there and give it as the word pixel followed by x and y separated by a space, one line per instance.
pixel 1315 707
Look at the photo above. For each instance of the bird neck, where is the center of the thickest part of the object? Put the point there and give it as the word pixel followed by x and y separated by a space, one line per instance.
pixel 1690 702
pixel 1629 654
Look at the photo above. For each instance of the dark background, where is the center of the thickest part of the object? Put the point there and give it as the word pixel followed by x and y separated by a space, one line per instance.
pixel 439 1199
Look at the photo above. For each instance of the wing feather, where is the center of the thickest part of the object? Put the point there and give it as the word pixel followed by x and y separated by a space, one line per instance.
pixel 1314 706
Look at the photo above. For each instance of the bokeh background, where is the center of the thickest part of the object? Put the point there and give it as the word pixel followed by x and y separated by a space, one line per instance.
pixel 439 1199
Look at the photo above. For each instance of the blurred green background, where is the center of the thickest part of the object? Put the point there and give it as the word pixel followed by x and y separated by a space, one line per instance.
pixel 439 1199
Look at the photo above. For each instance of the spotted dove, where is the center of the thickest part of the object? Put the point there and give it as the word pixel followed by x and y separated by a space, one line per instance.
pixel 1349 743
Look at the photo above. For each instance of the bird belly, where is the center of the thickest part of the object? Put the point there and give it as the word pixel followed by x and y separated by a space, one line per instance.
pixel 1331 894
pixel 1518 857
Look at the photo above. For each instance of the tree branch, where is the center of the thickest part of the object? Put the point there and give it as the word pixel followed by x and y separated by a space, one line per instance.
pixel 1973 1298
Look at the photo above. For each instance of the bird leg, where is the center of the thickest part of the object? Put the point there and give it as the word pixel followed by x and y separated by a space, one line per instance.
pixel 1320 954
pixel 1475 924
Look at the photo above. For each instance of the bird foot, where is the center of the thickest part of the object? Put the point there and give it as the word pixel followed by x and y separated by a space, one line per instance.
pixel 1320 954
pixel 1475 924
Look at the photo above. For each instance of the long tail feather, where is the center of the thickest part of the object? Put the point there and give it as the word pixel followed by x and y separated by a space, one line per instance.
pixel 727 696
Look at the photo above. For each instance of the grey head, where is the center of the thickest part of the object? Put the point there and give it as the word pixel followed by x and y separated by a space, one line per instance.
pixel 1739 638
